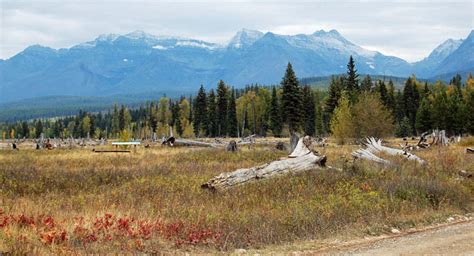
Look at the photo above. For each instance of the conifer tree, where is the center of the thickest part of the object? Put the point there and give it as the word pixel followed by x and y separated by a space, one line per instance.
pixel 382 90
pixel 423 116
pixel 275 115
pixel 115 121
pixel 352 81
pixel 222 105
pixel 469 110
pixel 366 84
pixel 124 118
pixel 455 110
pixel 25 130
pixel 309 111
pixel 212 127
pixel 391 101
pixel 403 129
pixel 399 107
pixel 200 112
pixel 334 94
pixel 232 125
pixel 410 98
pixel 38 128
pixel 440 110
pixel 291 100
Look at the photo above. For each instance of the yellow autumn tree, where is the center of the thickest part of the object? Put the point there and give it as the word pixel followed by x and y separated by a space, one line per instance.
pixel 342 122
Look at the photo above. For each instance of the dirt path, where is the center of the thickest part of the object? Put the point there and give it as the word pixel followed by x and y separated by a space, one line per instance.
pixel 456 239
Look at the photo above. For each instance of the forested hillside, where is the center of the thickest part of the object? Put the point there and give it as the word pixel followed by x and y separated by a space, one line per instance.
pixel 352 107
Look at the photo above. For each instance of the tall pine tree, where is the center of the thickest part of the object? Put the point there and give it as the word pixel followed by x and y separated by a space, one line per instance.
pixel 232 125
pixel 352 81
pixel 309 111
pixel 291 100
pixel 275 115
pixel 212 127
pixel 200 112
pixel 221 108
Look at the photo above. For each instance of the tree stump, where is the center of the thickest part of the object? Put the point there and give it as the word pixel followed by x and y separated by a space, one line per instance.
pixel 232 146
pixel 280 146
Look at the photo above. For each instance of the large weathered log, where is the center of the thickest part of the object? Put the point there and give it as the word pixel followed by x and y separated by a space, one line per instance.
pixel 300 160
pixel 375 146
pixel 184 142
pixel 367 155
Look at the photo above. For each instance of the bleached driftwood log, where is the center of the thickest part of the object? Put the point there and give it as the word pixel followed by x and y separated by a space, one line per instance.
pixel 300 160
pixel 367 155
pixel 375 146
pixel 184 142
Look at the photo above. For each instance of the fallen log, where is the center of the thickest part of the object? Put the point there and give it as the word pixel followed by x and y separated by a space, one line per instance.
pixel 367 155
pixel 300 160
pixel 184 142
pixel 375 146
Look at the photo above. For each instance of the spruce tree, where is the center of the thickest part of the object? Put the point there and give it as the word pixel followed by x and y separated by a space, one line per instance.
pixel 25 130
pixel 423 117
pixel 440 110
pixel 222 104
pixel 212 127
pixel 382 90
pixel 469 110
pixel 309 111
pixel 455 110
pixel 291 100
pixel 200 112
pixel 115 121
pixel 403 129
pixel 38 128
pixel 275 115
pixel 232 125
pixel 334 94
pixel 391 101
pixel 366 84
pixel 399 107
pixel 410 101
pixel 352 81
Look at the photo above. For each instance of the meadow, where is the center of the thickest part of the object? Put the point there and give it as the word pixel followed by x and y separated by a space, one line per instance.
pixel 74 201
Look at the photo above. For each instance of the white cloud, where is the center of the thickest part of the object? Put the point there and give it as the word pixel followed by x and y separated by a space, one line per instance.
pixel 407 29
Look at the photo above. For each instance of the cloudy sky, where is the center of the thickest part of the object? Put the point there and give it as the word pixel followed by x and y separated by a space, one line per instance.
pixel 407 29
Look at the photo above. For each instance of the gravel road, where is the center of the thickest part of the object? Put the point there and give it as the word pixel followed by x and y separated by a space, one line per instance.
pixel 456 239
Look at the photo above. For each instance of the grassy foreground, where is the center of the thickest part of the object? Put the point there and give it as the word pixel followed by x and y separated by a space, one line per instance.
pixel 150 201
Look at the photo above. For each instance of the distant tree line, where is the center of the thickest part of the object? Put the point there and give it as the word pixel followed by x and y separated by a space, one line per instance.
pixel 350 108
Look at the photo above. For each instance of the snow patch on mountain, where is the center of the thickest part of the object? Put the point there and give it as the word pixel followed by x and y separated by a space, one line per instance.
pixel 244 38
pixel 160 47
pixel 197 44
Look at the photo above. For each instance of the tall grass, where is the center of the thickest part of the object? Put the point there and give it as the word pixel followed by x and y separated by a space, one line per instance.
pixel 157 192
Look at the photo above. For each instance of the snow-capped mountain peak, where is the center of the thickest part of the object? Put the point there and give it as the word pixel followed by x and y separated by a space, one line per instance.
pixel 245 37
pixel 446 48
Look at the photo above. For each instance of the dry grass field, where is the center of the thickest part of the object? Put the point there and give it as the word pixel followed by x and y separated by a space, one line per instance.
pixel 75 201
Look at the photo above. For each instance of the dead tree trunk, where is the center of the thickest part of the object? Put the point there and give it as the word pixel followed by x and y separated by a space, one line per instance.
pixel 184 142
pixel 375 146
pixel 439 138
pixel 300 160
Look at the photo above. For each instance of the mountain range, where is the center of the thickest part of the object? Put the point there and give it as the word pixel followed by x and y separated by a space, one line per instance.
pixel 138 62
